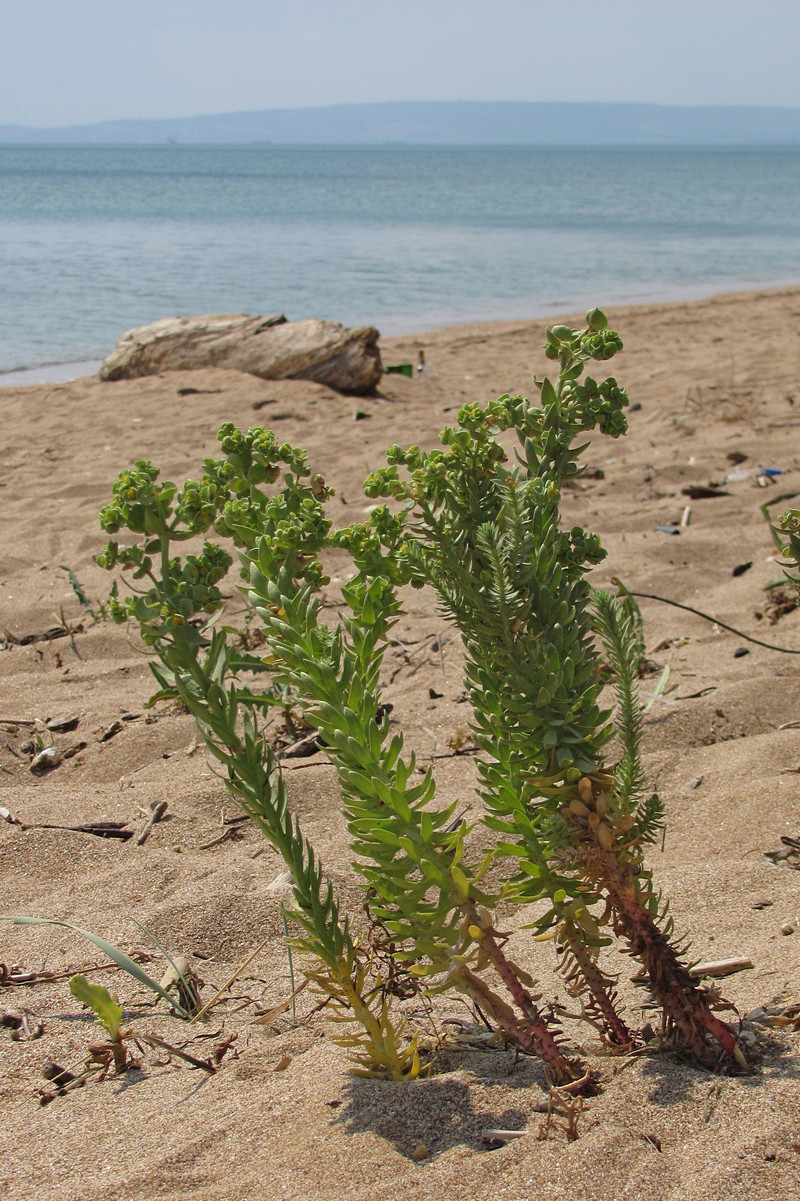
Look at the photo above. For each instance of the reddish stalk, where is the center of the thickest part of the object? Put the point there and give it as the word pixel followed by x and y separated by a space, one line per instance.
pixel 535 1035
pixel 683 1002
pixel 582 971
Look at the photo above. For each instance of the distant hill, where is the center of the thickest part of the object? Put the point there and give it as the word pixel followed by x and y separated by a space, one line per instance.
pixel 446 123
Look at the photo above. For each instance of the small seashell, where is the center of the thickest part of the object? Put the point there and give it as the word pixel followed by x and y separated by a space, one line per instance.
pixel 46 760
pixel 62 724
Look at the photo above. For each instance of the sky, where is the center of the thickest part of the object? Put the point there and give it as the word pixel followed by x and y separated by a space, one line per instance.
pixel 69 62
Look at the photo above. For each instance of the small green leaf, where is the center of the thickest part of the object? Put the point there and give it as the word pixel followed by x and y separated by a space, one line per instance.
pixel 461 882
pixel 106 1008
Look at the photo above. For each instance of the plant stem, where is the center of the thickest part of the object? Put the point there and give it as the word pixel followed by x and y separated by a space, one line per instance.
pixel 535 1035
pixel 684 1003
pixel 590 974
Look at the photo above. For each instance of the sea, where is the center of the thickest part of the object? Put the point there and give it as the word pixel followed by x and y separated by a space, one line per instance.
pixel 97 239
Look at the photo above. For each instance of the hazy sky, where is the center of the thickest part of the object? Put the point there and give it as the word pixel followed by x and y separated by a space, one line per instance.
pixel 65 62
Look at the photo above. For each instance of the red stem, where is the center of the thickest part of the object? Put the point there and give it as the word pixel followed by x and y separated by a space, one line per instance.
pixel 599 986
pixel 684 1003
pixel 535 1036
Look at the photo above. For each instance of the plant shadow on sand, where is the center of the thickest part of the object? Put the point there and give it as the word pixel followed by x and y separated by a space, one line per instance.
pixel 450 1109
pixel 674 1082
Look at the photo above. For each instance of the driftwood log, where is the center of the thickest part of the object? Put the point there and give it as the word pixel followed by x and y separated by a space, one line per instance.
pixel 347 360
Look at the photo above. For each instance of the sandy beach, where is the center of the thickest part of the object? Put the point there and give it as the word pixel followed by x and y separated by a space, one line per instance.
pixel 715 392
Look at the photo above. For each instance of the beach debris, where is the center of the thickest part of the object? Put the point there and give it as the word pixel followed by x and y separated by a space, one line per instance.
pixel 788 855
pixel 57 1075
pixel 16 975
pixel 736 456
pixel 668 529
pixel 703 492
pixel 406 369
pixel 206 1065
pixel 779 602
pixel 266 1019
pixel 741 568
pixel 740 652
pixel 770 472
pixel 45 760
pixel 347 360
pixel 231 980
pixel 420 1152
pixel 62 725
pixel 181 976
pixel 110 731
pixel 786 650
pixel 71 751
pixel 157 811
pixel 776 1014
pixel 686 517
pixel 99 829
pixel 283 1063
pixel 504 1136
pixel 231 834
pixel 787 928
pixel 720 967
pixel 22 1024
pixel 62 631
pixel 309 744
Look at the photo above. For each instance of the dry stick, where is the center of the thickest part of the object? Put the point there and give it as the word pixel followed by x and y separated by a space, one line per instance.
pixel 152 1041
pixel 47 977
pixel 707 617
pixel 295 749
pixel 230 833
pixel 156 815
pixel 720 967
pixel 69 631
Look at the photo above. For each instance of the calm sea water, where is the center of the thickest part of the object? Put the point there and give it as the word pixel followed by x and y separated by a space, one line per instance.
pixel 95 240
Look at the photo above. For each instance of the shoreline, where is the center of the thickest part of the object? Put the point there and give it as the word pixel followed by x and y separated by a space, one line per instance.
pixel 66 372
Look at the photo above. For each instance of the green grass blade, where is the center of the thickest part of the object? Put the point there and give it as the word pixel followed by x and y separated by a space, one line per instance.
pixel 114 953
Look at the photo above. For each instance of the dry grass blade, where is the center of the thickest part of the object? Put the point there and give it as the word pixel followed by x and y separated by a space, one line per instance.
pixel 220 992
pixel 264 1019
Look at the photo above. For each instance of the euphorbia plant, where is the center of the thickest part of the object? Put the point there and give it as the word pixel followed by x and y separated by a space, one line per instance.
pixel 488 539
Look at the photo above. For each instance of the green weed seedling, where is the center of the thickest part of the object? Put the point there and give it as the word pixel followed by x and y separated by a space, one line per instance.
pixel 108 1012
pixel 788 525
pixel 570 827
pixel 96 612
